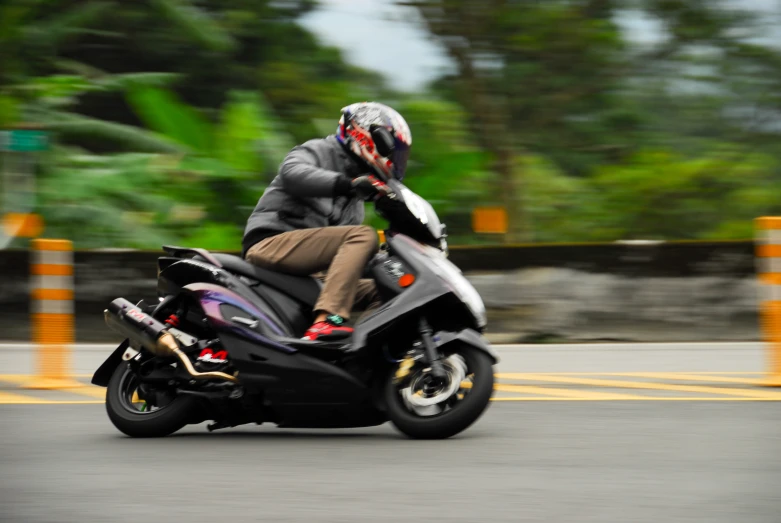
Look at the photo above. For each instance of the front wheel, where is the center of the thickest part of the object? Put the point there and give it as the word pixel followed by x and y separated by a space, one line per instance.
pixel 145 413
pixel 423 408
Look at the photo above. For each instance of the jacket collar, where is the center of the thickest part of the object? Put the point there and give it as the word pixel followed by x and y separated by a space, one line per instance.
pixel 353 165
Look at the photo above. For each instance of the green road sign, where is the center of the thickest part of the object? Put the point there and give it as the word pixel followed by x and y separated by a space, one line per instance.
pixel 23 141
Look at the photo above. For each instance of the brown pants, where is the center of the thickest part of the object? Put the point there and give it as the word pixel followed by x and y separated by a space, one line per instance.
pixel 341 251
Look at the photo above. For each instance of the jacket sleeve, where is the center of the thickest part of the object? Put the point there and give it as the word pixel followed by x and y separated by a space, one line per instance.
pixel 301 176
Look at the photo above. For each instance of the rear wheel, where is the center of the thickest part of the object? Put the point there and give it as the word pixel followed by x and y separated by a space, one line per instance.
pixel 144 413
pixel 424 408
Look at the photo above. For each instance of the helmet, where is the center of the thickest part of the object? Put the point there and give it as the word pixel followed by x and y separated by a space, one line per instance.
pixel 378 135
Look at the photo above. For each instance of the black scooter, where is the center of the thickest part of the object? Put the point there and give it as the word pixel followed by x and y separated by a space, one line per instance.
pixel 223 343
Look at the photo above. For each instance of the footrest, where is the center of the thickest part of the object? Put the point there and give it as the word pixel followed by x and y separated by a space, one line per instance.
pixel 341 346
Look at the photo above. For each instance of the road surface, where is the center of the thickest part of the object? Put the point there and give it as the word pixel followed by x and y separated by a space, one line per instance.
pixel 597 433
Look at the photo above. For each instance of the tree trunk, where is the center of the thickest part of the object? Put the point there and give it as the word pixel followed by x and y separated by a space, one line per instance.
pixel 489 115
pixel 512 198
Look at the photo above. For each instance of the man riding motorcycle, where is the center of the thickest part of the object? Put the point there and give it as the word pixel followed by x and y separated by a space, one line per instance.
pixel 309 218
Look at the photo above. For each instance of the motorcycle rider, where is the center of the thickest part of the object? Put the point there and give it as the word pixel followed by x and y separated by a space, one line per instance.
pixel 309 218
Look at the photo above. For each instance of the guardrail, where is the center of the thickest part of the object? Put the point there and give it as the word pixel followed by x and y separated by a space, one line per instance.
pixel 641 258
pixel 100 276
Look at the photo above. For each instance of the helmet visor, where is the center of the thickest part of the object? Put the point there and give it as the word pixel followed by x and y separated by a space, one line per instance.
pixel 399 158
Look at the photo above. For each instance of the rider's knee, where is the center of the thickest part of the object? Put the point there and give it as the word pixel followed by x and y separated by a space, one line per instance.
pixel 366 234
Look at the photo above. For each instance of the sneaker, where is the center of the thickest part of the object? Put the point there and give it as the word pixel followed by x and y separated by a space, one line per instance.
pixel 332 328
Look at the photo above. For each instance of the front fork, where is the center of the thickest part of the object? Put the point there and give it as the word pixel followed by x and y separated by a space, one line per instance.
pixel 431 357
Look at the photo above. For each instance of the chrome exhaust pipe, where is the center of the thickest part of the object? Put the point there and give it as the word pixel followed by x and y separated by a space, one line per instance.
pixel 129 321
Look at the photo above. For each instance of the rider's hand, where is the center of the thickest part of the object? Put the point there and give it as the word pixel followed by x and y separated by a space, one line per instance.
pixel 370 188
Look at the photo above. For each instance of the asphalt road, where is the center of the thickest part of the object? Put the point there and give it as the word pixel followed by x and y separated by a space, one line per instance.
pixel 568 462
pixel 574 461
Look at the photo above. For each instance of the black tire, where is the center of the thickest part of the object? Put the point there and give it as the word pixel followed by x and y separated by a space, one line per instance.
pixel 450 422
pixel 157 424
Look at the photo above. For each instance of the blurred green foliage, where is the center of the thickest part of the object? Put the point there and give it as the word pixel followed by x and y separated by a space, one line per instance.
pixel 170 117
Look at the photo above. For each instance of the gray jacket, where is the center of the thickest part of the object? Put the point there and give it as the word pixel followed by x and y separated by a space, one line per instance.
pixel 310 190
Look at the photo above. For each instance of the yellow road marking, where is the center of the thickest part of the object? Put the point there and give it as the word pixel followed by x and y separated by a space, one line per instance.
pixel 678 376
pixel 8 397
pixel 17 399
pixel 620 384
pixel 87 390
pixel 755 373
pixel 714 373
pixel 565 393
pixel 535 392
pixel 638 398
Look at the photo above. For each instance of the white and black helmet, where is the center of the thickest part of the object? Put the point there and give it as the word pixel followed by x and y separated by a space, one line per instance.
pixel 378 135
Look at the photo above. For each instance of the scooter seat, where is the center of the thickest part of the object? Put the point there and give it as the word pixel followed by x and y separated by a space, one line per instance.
pixel 303 288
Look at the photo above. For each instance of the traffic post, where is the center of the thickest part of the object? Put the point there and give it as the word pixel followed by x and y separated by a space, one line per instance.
pixel 52 318
pixel 768 259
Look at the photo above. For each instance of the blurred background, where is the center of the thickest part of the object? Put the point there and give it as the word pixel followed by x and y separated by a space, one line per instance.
pixel 599 165
pixel 162 121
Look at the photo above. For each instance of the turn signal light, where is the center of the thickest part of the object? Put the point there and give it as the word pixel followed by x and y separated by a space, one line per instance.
pixel 406 280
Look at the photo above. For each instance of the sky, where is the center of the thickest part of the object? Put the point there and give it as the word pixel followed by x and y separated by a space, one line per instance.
pixel 378 35
pixel 387 38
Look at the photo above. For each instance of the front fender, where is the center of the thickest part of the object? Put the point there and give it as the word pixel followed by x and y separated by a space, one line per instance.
pixel 470 337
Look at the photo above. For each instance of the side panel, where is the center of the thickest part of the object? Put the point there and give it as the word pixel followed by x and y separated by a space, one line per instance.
pixel 428 287
pixel 300 391
pixel 186 273
pixel 298 316
pixel 220 305
pixel 299 378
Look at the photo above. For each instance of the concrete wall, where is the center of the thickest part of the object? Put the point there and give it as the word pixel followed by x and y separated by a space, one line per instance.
pixel 678 291
pixel 643 292
pixel 568 305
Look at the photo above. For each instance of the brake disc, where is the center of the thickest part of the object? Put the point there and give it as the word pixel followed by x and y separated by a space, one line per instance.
pixel 456 372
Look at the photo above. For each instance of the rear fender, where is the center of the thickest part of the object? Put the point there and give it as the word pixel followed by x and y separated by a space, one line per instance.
pixel 106 370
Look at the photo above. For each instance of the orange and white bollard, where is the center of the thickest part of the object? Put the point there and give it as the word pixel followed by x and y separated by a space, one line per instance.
pixel 768 255
pixel 52 313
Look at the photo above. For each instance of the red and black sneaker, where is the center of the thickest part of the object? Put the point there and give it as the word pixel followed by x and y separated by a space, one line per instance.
pixel 331 329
